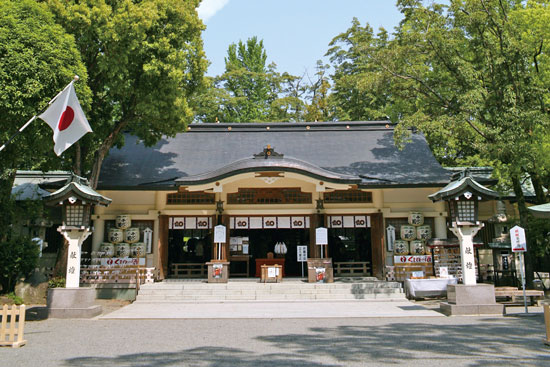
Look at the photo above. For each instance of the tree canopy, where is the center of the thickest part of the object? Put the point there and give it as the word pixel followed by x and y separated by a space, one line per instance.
pixel 38 59
pixel 145 61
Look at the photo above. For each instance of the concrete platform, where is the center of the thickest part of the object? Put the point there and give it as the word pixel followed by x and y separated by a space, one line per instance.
pixel 272 310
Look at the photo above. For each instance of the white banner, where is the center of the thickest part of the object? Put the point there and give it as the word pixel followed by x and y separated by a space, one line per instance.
pixel 190 223
pixel 121 261
pixel 348 221
pixel 412 259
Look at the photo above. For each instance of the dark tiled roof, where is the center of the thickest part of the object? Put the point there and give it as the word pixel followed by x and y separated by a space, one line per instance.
pixel 364 150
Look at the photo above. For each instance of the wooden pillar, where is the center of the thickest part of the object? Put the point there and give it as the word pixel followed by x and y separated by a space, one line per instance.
pixel 163 246
pixel 313 251
pixel 377 243
pixel 225 247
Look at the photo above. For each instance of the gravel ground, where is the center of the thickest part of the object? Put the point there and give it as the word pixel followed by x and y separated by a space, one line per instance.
pixel 433 341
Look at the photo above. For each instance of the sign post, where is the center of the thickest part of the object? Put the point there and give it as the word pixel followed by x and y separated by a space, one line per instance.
pixel 302 256
pixel 219 238
pixel 321 238
pixel 519 244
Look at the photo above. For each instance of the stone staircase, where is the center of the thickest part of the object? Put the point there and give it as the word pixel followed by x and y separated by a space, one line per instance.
pixel 343 289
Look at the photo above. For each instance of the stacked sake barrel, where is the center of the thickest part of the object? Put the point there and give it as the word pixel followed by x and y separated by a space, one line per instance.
pixel 413 236
pixel 123 240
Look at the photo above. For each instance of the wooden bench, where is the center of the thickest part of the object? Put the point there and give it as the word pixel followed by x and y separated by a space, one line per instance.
pixel 512 293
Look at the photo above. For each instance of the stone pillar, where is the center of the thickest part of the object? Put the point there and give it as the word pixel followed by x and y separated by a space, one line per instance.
pixel 75 237
pixel 97 236
pixel 465 236
pixel 440 224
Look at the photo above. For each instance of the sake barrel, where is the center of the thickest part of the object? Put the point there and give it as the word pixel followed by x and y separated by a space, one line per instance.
pixel 123 221
pixel 138 247
pixel 423 233
pixel 106 249
pixel 115 235
pixel 416 219
pixel 408 233
pixel 131 235
pixel 122 249
pixel 417 247
pixel 400 247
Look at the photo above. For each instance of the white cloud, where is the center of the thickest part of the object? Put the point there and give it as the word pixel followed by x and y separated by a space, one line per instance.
pixel 208 8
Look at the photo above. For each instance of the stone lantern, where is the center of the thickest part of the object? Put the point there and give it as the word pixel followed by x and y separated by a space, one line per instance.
pixel 463 196
pixel 76 199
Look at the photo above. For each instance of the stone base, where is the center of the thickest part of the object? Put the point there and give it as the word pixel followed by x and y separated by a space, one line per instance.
pixel 68 303
pixel 218 278
pixel 468 310
pixel 476 299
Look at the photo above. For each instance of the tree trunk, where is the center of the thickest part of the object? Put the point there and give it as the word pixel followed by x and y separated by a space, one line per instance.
pixel 538 187
pixel 6 216
pixel 60 268
pixel 523 220
pixel 102 151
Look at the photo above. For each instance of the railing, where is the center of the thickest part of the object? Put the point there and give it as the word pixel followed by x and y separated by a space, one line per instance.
pixel 13 323
pixel 400 273
pixel 189 270
pixel 94 274
pixel 352 268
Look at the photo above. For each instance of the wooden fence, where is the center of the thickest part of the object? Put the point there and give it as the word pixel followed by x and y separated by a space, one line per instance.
pixel 547 323
pixel 189 270
pixel 13 323
pixel 400 273
pixel 124 274
pixel 352 268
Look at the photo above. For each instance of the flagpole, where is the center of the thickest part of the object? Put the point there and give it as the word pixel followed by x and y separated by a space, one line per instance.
pixel 76 77
pixel 18 132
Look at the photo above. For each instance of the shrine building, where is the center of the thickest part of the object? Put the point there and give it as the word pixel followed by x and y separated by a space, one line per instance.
pixel 272 185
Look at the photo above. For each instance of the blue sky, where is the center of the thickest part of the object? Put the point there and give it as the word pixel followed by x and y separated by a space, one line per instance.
pixel 296 33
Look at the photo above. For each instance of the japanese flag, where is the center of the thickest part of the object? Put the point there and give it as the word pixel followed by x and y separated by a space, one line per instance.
pixel 67 120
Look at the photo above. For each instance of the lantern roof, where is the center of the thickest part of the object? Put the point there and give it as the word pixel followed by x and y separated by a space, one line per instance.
pixel 463 185
pixel 77 187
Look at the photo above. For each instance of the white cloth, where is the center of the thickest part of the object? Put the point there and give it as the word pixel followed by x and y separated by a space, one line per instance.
pixel 427 287
pixel 67 120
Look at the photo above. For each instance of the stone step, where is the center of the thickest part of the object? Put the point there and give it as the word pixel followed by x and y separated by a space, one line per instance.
pixel 270 297
pixel 293 290
pixel 283 285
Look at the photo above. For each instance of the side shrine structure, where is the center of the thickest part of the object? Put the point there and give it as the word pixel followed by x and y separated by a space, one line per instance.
pixel 272 185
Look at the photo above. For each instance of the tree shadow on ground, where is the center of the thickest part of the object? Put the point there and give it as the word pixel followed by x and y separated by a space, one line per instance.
pixel 481 342
pixel 484 344
pixel 207 356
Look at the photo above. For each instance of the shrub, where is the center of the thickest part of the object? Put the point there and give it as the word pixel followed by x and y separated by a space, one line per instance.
pixel 56 282
pixel 18 258
pixel 16 299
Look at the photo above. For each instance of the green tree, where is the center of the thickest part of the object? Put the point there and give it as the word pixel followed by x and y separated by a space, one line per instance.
pixel 145 61
pixel 478 72
pixel 38 59
pixel 361 91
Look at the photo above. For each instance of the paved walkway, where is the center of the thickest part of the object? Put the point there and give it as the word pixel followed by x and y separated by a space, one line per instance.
pixel 332 342
pixel 271 310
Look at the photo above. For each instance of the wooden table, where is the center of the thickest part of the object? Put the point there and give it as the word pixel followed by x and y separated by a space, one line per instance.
pixel 260 262
pixel 241 258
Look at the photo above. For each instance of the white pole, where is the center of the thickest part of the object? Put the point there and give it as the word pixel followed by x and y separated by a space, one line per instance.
pixel 523 281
